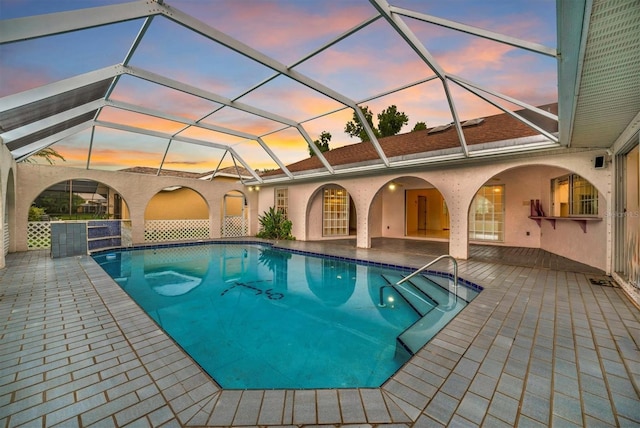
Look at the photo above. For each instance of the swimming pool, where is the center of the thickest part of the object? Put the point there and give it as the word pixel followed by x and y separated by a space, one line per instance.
pixel 256 317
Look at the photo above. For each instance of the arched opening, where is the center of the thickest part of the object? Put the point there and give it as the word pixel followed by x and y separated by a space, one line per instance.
pixel 98 205
pixel 540 206
pixel 424 212
pixel 78 199
pixel 176 213
pixel 331 213
pixel 235 215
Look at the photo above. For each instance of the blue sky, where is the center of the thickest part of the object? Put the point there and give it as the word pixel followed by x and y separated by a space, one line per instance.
pixel 365 64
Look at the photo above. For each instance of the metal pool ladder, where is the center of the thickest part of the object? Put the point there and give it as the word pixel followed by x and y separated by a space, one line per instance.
pixel 418 271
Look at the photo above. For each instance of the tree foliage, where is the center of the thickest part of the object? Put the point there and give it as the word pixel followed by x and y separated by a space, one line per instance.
pixel 322 144
pixel 355 128
pixel 390 122
pixel 419 126
pixel 48 154
pixel 274 225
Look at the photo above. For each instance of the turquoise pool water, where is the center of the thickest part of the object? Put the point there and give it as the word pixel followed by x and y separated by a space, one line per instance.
pixel 255 317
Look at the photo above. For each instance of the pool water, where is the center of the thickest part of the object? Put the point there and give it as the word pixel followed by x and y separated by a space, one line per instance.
pixel 255 317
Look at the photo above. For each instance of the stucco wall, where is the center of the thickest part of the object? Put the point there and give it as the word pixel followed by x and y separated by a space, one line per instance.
pixel 136 190
pixel 7 201
pixel 526 177
pixel 177 204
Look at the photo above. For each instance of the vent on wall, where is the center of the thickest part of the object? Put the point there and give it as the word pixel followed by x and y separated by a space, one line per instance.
pixel 600 162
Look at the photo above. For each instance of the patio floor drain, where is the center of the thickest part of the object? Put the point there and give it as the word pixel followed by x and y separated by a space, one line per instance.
pixel 602 282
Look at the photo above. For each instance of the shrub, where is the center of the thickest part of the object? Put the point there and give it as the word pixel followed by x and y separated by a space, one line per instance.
pixel 35 213
pixel 274 225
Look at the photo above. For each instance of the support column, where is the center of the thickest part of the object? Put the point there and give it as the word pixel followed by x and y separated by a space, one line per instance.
pixel 458 203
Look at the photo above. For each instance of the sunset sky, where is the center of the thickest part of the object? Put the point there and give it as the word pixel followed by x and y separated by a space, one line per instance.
pixel 373 60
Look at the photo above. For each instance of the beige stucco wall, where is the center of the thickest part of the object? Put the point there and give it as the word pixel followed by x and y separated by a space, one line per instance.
pixel 7 201
pixel 178 204
pixel 136 189
pixel 381 211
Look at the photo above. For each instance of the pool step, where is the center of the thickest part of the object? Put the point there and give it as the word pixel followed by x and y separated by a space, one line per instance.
pixel 435 305
pixel 421 302
pixel 420 332
pixel 446 283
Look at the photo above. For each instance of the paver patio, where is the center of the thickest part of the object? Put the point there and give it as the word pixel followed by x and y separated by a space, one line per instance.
pixel 540 346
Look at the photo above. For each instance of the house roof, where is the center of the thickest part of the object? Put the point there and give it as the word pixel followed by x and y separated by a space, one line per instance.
pixel 491 129
pixel 223 172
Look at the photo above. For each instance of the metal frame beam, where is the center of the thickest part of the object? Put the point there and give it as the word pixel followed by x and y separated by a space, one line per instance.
pixel 47 122
pixel 247 51
pixel 28 150
pixel 33 27
pixel 412 40
pixel 475 31
pixel 19 29
pixel 158 134
pixel 32 95
pixel 516 116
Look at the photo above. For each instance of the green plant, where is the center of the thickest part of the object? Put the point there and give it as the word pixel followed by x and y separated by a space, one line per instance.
pixel 35 213
pixel 274 225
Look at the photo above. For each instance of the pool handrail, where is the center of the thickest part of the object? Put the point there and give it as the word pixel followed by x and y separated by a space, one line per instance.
pixel 420 270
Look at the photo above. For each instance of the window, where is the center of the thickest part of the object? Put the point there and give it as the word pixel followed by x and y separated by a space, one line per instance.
pixel 486 216
pixel 335 213
pixel 282 201
pixel 572 195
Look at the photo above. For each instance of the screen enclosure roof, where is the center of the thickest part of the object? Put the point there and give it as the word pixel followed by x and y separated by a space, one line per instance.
pixel 204 86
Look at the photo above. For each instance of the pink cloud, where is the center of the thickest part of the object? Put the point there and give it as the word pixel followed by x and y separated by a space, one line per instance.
pixel 16 80
pixel 268 25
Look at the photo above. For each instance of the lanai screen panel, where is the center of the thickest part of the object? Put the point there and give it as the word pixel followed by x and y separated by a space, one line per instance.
pixel 32 63
pixel 195 158
pixel 243 121
pixel 189 57
pixel 74 149
pixel 150 95
pixel 284 30
pixel 115 149
pixel 259 69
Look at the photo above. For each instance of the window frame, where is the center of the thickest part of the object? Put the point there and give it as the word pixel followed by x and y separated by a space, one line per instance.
pixel 497 232
pixel 281 200
pixel 335 212
pixel 585 207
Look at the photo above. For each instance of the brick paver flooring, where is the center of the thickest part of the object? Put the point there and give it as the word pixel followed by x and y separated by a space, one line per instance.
pixel 539 346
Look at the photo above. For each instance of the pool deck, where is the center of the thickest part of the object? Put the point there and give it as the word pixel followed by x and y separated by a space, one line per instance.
pixel 541 345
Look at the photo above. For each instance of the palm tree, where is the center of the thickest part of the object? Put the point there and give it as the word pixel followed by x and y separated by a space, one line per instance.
pixel 48 154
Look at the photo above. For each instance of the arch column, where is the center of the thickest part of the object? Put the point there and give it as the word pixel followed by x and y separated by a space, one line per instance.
pixel 137 226
pixel 363 234
pixel 459 195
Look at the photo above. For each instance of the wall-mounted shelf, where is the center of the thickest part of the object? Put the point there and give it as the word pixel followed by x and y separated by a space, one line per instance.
pixel 582 221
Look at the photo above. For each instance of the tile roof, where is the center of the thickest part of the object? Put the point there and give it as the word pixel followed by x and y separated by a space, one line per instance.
pixel 163 172
pixel 228 172
pixel 493 128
